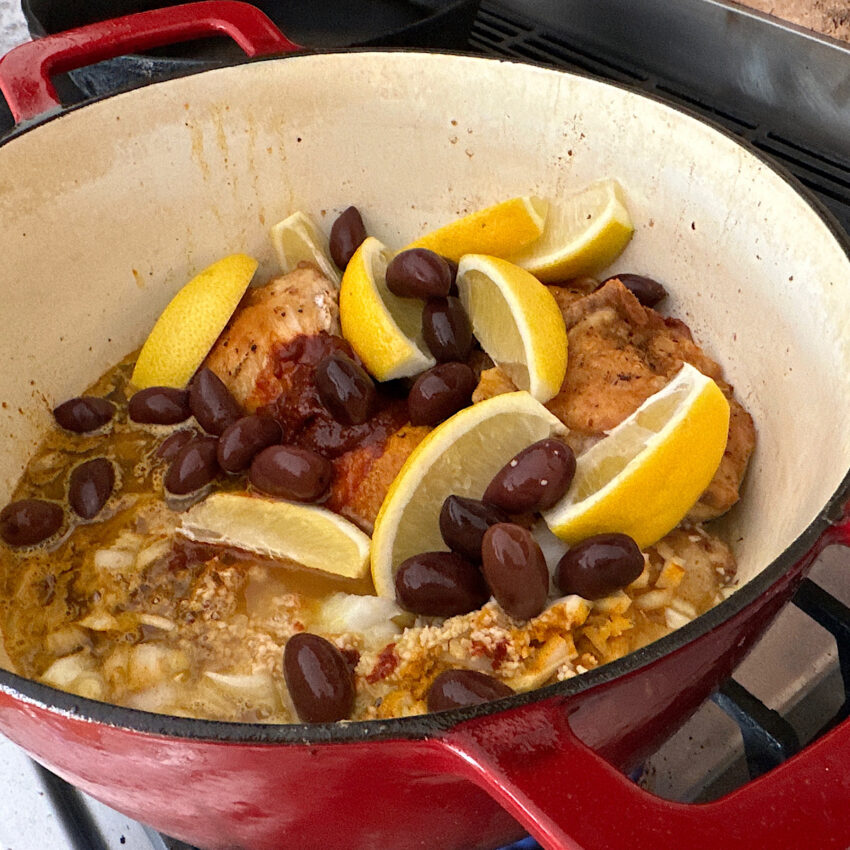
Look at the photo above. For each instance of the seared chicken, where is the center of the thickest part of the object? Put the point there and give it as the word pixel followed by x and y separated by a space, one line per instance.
pixel 267 357
pixel 363 476
pixel 620 353
pixel 245 356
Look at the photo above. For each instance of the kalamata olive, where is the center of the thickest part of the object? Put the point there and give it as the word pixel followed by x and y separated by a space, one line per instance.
pixel 291 472
pixel 463 523
pixel 193 467
pixel 172 444
pixel 211 402
pixel 85 413
pixel 453 271
pixel 29 521
pixel 458 688
pixel 345 388
pixel 440 392
pixel 419 273
pixel 599 566
pixel 446 329
pixel 347 234
pixel 246 437
pixel 90 486
pixel 319 680
pixel 159 406
pixel 648 291
pixel 534 479
pixel 440 584
pixel 515 569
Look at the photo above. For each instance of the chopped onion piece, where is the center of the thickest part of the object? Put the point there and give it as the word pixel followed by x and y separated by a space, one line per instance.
pixel 62 672
pixel 252 690
pixel 616 603
pixel 550 656
pixel 113 559
pixel 553 547
pixel 371 615
pixel 675 619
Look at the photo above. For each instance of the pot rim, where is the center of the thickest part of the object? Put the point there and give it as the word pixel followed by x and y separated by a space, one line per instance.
pixel 441 12
pixel 424 726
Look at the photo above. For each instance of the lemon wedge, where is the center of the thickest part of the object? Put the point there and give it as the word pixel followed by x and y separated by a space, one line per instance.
pixel 647 473
pixel 296 240
pixel 384 330
pixel 191 322
pixel 517 321
pixel 584 233
pixel 459 456
pixel 500 230
pixel 306 534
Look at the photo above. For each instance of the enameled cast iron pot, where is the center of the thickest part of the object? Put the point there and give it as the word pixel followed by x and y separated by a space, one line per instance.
pixel 109 208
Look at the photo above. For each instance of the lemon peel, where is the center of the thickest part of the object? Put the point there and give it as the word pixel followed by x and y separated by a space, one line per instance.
pixel 460 456
pixel 384 330
pixel 584 234
pixel 191 322
pixel 647 473
pixel 500 230
pixel 306 534
pixel 517 322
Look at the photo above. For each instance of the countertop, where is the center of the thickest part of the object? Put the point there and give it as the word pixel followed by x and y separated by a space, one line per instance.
pixel 13 27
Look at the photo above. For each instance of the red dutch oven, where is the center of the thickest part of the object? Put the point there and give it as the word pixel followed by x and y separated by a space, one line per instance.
pixel 109 208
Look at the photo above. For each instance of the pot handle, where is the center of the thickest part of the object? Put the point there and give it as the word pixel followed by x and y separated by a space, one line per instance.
pixel 569 798
pixel 26 70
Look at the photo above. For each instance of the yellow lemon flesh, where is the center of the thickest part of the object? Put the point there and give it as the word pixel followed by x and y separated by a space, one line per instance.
pixel 584 234
pixel 647 473
pixel 296 240
pixel 500 230
pixel 384 330
pixel 460 456
pixel 187 328
pixel 306 534
pixel 517 321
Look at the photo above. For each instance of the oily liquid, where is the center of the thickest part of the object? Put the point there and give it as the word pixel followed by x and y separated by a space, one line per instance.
pixel 158 588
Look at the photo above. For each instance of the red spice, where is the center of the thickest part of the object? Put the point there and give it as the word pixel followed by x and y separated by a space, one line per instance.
pixel 386 663
pixel 499 654
pixel 300 412
pixel 479 648
pixel 297 626
pixel 351 656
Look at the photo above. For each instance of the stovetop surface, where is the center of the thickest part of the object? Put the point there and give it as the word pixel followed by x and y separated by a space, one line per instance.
pixel 726 65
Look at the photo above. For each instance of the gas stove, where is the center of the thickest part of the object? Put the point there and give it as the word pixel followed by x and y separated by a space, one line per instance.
pixel 777 87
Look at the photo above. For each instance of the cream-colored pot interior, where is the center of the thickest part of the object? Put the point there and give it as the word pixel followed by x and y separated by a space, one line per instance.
pixel 108 210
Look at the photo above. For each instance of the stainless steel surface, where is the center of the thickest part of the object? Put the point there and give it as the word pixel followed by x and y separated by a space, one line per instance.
pixel 737 60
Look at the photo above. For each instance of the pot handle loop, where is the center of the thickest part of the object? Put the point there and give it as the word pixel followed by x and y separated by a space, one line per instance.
pixel 25 72
pixel 569 798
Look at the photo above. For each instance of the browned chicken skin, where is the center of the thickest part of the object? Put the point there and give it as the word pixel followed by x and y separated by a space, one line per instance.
pixel 267 356
pixel 303 302
pixel 363 476
pixel 620 353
